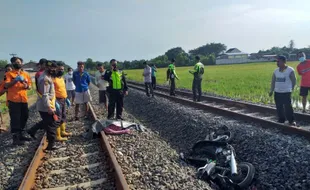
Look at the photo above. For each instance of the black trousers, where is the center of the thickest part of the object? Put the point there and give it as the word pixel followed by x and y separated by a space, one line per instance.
pixel 62 116
pixel 148 89
pixel 19 114
pixel 116 97
pixel 196 87
pixel 154 83
pixel 284 107
pixel 172 86
pixel 50 126
pixel 36 127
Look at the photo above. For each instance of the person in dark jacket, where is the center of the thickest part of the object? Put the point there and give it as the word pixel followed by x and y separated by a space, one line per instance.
pixel 117 89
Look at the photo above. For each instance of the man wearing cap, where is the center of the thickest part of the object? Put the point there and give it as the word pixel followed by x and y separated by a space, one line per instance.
pixel 46 103
pixel 18 82
pixel 303 70
pixel 33 130
pixel 282 84
pixel 81 81
pixel 117 89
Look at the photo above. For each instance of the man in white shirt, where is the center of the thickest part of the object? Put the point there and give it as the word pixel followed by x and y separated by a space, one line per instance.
pixel 147 73
pixel 70 87
pixel 283 83
pixel 102 85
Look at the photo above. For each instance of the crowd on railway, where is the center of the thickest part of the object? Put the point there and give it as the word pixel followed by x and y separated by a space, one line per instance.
pixel 56 92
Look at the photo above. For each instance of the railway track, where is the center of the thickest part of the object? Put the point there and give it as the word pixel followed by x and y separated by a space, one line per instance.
pixel 79 164
pixel 264 115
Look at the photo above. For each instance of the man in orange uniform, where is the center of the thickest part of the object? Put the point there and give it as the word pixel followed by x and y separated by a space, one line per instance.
pixel 303 69
pixel 61 99
pixel 18 82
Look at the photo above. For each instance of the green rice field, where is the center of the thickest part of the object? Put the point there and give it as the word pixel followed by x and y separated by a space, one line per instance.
pixel 249 82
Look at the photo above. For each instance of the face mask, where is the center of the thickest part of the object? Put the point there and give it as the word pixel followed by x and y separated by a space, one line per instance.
pixel 17 66
pixel 52 72
pixel 70 72
pixel 302 59
pixel 114 67
pixel 60 73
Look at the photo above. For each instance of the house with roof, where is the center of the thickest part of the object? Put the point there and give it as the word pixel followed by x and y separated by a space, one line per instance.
pixel 233 55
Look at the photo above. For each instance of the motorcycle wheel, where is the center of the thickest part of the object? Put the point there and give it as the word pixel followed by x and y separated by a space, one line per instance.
pixel 246 172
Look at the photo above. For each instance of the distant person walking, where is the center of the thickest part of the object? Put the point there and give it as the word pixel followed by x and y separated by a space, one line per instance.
pixel 147 73
pixel 81 80
pixel 70 87
pixel 283 83
pixel 154 71
pixel 102 85
pixel 198 75
pixel 303 70
pixel 171 76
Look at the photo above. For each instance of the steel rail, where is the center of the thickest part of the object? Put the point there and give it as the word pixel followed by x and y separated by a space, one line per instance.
pixel 29 179
pixel 225 111
pixel 239 104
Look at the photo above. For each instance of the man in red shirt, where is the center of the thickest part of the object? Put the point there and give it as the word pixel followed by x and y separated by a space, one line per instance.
pixel 41 64
pixel 40 125
pixel 303 70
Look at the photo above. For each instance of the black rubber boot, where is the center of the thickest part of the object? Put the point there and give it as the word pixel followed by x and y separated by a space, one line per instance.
pixel 32 134
pixel 16 140
pixel 51 147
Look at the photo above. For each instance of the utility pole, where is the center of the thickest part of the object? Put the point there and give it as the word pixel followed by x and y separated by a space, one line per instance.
pixel 13 54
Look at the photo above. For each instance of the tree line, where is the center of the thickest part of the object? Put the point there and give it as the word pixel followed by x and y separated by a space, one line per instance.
pixel 286 50
pixel 207 53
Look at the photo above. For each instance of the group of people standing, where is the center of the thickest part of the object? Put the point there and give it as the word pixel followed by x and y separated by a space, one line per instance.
pixel 283 83
pixel 112 89
pixel 149 74
pixel 55 93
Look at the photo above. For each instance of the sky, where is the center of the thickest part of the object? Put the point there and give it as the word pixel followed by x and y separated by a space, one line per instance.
pixel 74 30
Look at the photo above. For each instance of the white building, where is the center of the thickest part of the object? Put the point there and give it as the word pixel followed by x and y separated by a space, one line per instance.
pixel 232 55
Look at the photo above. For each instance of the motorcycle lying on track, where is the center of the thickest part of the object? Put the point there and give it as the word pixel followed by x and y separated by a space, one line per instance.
pixel 216 160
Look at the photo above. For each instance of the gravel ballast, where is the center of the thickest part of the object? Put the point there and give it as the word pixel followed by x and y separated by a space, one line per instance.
pixel 81 152
pixel 148 161
pixel 14 160
pixel 281 161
